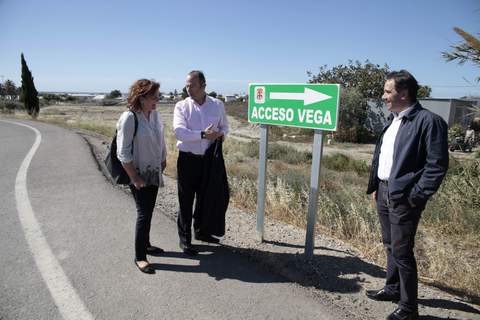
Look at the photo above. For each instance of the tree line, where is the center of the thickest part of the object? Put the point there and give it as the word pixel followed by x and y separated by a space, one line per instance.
pixel 27 93
pixel 360 112
pixel 8 90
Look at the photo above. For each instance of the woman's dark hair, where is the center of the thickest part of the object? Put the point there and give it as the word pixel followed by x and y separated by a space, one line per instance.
pixel 140 89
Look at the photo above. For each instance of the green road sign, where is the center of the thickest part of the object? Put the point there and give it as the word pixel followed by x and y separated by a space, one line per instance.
pixel 313 106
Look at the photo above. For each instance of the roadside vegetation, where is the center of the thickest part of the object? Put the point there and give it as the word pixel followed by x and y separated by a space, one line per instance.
pixel 448 241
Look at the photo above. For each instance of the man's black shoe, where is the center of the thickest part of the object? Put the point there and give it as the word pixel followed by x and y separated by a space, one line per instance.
pixel 206 238
pixel 188 249
pixel 400 314
pixel 381 295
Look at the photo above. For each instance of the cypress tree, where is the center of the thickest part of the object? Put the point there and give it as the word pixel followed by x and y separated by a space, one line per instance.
pixel 29 94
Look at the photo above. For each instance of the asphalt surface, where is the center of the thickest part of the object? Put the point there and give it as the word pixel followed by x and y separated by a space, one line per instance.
pixel 88 225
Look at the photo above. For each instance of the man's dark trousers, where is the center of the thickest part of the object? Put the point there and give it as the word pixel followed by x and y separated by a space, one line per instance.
pixel 189 182
pixel 399 222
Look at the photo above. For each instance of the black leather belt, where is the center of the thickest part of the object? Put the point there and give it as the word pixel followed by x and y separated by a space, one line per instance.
pixel 384 182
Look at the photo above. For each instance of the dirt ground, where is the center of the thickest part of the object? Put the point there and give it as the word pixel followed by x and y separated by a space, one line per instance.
pixel 239 130
pixel 337 273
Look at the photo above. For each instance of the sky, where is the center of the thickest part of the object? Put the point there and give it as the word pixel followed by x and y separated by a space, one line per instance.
pixel 99 46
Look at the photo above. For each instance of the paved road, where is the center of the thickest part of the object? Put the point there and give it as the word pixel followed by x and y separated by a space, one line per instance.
pixel 71 257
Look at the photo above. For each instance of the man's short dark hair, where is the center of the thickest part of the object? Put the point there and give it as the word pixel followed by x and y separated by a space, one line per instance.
pixel 199 74
pixel 405 81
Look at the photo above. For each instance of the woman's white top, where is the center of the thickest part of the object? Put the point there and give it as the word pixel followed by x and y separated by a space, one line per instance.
pixel 149 149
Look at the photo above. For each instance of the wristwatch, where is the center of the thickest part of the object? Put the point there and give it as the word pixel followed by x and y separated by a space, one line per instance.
pixel 202 134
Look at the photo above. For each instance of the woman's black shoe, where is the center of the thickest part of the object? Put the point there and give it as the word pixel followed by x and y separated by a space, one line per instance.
pixel 147 269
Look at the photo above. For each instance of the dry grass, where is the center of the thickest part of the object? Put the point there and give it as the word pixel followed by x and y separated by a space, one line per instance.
pixel 448 240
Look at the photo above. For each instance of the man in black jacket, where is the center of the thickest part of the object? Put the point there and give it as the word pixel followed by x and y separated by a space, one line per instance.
pixel 408 166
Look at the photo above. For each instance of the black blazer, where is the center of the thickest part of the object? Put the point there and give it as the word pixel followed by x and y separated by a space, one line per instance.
pixel 420 157
pixel 215 194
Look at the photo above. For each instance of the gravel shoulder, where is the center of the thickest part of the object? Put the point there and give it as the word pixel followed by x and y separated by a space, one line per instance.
pixel 337 274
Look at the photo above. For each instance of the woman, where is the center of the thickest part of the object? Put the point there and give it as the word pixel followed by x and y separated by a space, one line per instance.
pixel 143 155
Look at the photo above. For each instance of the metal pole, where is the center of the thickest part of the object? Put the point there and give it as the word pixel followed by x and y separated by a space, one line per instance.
pixel 262 175
pixel 313 195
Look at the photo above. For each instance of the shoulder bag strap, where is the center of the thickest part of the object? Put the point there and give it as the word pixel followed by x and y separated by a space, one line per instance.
pixel 136 127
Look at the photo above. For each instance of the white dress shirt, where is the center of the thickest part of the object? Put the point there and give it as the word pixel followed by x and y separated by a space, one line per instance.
pixel 149 149
pixel 388 142
pixel 190 119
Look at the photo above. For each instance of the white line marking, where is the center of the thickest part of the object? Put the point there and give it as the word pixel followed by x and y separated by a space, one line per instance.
pixel 64 295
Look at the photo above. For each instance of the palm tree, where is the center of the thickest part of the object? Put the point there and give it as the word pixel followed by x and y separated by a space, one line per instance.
pixel 469 50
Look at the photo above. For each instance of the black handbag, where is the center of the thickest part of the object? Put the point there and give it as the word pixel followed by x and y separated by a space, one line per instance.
pixel 114 166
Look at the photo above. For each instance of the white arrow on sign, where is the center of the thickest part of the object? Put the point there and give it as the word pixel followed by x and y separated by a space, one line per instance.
pixel 308 96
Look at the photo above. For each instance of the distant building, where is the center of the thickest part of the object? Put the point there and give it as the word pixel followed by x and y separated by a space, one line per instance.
pixel 229 98
pixel 98 97
pixel 81 95
pixel 451 110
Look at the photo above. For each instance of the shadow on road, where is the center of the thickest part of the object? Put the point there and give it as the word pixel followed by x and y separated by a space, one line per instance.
pixel 297 246
pixel 219 263
pixel 436 318
pixel 336 274
pixel 448 304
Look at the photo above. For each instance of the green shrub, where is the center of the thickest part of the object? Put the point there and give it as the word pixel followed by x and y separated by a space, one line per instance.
pixel 10 106
pixel 249 149
pixel 457 202
pixel 341 162
pixel 288 154
pixel 455 131
pixel 237 109
pixel 110 102
pixel 275 152
pixel 294 179
pixel 290 134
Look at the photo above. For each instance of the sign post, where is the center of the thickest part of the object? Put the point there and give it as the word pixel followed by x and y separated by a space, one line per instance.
pixel 262 176
pixel 313 195
pixel 313 106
